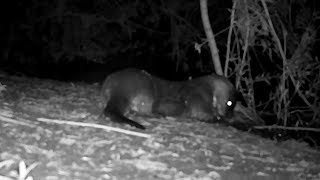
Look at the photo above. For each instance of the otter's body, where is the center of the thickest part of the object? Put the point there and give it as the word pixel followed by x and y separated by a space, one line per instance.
pixel 203 98
pixel 128 90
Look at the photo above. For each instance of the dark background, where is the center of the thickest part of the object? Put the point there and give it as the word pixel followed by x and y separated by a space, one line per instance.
pixel 83 40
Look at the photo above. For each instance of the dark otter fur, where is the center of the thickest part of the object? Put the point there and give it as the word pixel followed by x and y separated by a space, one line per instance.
pixel 209 98
pixel 203 98
pixel 169 107
pixel 126 90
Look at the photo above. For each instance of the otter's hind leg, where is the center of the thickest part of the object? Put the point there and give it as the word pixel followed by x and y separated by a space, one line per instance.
pixel 115 109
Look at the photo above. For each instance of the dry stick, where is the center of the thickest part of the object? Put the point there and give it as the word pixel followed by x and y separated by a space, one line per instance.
pixel 98 126
pixel 210 37
pixel 287 128
pixel 229 39
pixel 13 121
pixel 247 64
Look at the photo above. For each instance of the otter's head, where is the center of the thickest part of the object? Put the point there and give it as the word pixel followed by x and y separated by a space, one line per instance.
pixel 223 97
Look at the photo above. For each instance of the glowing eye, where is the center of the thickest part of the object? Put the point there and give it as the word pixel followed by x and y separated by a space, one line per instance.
pixel 229 103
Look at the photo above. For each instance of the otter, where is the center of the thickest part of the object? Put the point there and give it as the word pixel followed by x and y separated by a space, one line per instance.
pixel 132 90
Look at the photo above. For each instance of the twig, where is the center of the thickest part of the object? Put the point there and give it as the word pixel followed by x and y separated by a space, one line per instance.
pixel 232 21
pixel 10 120
pixel 98 126
pixel 287 128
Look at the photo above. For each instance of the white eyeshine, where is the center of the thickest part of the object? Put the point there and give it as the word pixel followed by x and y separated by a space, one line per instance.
pixel 229 103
